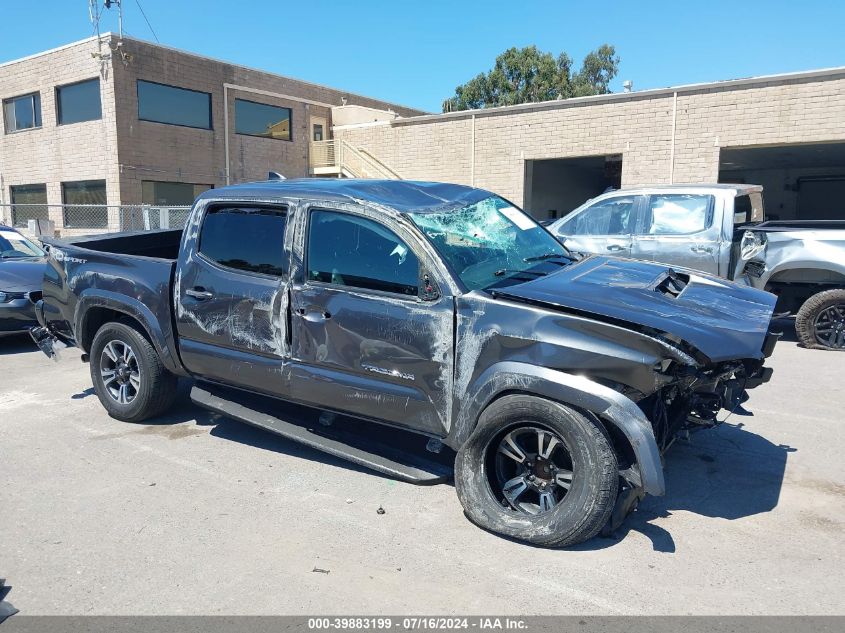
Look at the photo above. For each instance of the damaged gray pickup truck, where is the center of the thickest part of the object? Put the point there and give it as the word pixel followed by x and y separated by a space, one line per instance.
pixel 439 315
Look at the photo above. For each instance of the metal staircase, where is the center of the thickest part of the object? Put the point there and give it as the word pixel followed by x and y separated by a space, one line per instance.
pixel 336 157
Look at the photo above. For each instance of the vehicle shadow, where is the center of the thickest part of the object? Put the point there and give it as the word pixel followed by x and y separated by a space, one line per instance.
pixel 16 344
pixel 184 411
pixel 726 473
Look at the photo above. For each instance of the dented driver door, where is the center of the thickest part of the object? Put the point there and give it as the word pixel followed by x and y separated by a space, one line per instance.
pixel 231 287
pixel 369 333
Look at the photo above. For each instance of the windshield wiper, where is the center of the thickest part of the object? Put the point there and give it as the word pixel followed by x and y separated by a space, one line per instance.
pixel 502 271
pixel 544 256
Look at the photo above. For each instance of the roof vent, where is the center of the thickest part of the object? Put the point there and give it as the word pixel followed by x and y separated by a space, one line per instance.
pixel 627 86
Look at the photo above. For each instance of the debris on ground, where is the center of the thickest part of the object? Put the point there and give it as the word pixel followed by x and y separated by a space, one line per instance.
pixel 320 570
pixel 380 510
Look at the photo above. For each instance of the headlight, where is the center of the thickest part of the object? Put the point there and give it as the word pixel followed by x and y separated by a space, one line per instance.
pixel 5 297
pixel 751 245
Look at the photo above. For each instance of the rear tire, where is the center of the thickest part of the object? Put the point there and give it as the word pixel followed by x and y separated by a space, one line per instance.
pixel 586 467
pixel 820 323
pixel 128 376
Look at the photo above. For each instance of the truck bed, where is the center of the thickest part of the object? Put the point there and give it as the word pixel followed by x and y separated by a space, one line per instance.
pixel 89 277
pixel 800 225
pixel 161 244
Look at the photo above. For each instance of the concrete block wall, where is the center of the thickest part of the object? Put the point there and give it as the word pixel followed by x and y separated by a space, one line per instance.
pixel 638 126
pixel 55 153
pixel 125 151
pixel 157 151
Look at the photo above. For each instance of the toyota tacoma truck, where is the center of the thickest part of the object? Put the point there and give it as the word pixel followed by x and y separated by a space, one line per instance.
pixel 720 229
pixel 440 316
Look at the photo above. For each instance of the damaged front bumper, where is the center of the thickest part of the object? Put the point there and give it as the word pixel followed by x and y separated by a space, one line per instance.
pixel 692 397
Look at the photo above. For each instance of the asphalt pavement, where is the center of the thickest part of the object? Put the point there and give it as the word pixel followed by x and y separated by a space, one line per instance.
pixel 196 514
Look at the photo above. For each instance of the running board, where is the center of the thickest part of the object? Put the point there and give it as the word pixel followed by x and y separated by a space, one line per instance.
pixel 338 442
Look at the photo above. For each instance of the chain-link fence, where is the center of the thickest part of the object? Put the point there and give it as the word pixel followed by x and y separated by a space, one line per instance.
pixel 84 219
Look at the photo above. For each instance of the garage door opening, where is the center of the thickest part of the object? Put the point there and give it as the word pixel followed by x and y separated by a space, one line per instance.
pixel 800 182
pixel 554 187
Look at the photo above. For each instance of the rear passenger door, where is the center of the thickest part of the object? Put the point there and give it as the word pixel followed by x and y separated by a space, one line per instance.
pixel 230 288
pixel 604 228
pixel 678 229
pixel 371 334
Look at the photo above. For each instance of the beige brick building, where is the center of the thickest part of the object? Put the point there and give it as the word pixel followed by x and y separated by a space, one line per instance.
pixel 126 122
pixel 786 132
pixel 139 123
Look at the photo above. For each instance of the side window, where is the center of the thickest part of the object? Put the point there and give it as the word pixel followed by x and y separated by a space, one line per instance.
pixel 678 214
pixel 250 239
pixel 348 250
pixel 748 208
pixel 608 217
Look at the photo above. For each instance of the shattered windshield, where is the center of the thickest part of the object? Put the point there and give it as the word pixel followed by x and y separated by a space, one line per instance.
pixel 492 243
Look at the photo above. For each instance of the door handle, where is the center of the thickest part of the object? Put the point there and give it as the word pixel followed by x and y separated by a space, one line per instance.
pixel 199 293
pixel 615 247
pixel 314 316
pixel 701 249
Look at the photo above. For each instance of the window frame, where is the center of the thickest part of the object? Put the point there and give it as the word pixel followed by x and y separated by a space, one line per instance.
pixel 209 187
pixel 57 92
pixel 66 204
pixel 210 127
pixel 270 105
pixel 13 204
pixel 645 215
pixel 284 209
pixel 37 120
pixel 633 222
pixel 416 298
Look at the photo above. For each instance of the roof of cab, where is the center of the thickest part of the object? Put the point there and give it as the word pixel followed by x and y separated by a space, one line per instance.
pixel 406 196
pixel 737 187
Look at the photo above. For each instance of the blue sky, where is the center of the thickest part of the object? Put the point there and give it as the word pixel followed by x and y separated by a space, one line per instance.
pixel 415 53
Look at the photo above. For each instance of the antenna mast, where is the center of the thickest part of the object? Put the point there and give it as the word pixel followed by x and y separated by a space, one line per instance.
pixel 108 4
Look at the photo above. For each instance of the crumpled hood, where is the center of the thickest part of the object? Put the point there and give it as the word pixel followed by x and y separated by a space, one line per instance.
pixel 722 319
pixel 22 275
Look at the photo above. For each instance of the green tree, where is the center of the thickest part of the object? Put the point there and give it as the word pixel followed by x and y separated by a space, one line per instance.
pixel 529 75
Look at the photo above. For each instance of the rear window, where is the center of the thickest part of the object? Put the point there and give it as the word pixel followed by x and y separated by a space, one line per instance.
pixel 245 238
pixel 748 208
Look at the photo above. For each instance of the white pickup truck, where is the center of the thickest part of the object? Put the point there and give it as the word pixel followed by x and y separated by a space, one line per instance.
pixel 720 229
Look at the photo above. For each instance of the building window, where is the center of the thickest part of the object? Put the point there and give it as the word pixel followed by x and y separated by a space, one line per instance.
pixel 170 193
pixel 22 113
pixel 245 239
pixel 260 119
pixel 29 202
pixel 85 204
pixel 177 106
pixel 317 132
pixel 79 102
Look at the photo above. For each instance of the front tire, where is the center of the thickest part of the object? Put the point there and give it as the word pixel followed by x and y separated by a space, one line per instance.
pixel 128 376
pixel 820 323
pixel 537 471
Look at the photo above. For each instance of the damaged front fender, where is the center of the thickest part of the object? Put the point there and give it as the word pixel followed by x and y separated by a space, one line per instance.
pixel 577 391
